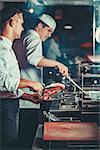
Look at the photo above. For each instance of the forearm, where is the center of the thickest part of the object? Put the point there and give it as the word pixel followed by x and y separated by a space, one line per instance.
pixel 35 86
pixel 48 63
pixel 24 83
pixel 53 63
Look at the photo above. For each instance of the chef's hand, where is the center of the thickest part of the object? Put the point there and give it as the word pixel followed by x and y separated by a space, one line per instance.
pixel 35 98
pixel 63 69
pixel 35 86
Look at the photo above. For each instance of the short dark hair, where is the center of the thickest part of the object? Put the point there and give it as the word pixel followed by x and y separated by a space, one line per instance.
pixel 5 14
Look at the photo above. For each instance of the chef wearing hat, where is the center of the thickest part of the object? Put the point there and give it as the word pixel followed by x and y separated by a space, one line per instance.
pixel 48 20
pixel 31 59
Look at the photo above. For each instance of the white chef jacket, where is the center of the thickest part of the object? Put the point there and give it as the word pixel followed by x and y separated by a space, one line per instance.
pixel 9 70
pixel 29 53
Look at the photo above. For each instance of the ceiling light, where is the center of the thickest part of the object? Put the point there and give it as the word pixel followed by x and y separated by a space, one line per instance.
pixel 68 27
pixel 31 10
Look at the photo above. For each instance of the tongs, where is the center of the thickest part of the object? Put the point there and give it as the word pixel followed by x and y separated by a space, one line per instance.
pixel 80 88
pixel 94 95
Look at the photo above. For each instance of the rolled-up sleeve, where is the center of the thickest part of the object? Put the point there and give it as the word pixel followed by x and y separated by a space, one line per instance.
pixel 33 48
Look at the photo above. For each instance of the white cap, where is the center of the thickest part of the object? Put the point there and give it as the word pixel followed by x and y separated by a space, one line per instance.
pixel 48 20
pixel 98 34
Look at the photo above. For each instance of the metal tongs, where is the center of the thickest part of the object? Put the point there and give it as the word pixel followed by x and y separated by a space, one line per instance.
pixel 80 88
pixel 94 95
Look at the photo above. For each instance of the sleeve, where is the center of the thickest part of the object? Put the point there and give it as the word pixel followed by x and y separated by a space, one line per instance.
pixel 11 95
pixel 7 81
pixel 33 48
pixel 20 92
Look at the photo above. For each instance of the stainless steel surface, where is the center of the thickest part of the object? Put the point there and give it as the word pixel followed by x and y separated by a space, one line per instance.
pixel 71 80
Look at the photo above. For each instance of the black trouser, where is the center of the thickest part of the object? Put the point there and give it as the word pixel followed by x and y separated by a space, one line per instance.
pixel 27 127
pixel 29 120
pixel 9 119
